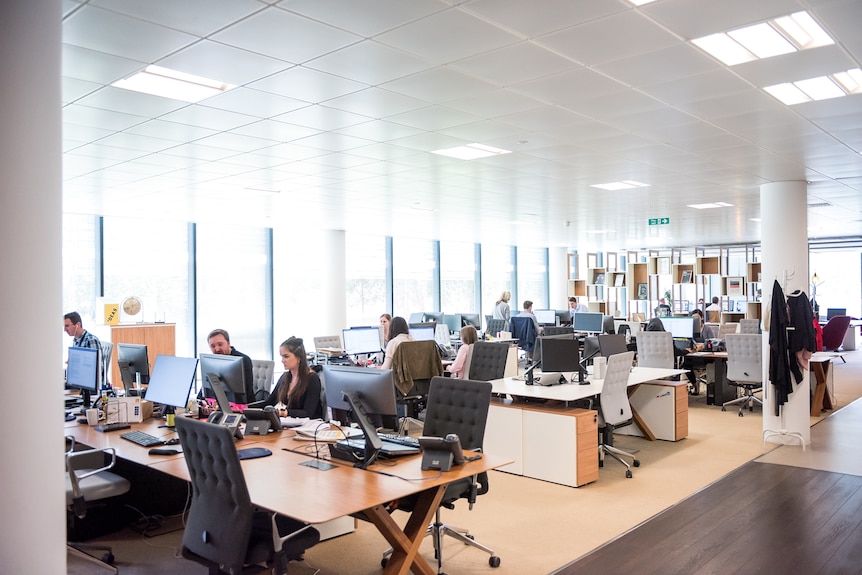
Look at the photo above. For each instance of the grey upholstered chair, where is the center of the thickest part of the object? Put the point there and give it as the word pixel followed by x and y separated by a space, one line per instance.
pixel 745 368
pixel 655 349
pixel 749 326
pixel 487 361
pixel 224 532
pixel 727 328
pixel 88 480
pixel 615 409
pixel 494 326
pixel 328 341
pixel 262 370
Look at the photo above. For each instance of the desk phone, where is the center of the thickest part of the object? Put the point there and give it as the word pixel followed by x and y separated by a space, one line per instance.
pixel 229 420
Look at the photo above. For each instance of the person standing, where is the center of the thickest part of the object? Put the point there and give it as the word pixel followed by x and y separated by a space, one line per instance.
pixel 501 308
pixel 219 342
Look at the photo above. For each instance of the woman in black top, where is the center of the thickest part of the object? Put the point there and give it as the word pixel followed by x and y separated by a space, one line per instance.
pixel 297 393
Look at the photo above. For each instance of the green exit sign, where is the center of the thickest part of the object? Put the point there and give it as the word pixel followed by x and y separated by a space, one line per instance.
pixel 659 221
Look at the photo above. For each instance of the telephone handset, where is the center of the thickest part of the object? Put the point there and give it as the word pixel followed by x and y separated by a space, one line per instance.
pixel 229 420
pixel 441 452
pixel 261 421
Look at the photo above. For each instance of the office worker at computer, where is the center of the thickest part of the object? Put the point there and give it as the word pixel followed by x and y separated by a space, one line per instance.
pixel 501 308
pixel 219 342
pixel 662 309
pixel 576 307
pixel 398 332
pixel 385 320
pixel 297 392
pixel 469 336
pixel 528 311
pixel 706 332
pixel 74 328
pixel 713 311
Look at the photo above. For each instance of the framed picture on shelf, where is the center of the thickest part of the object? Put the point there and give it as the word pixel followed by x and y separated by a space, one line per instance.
pixel 600 279
pixel 686 277
pixel 642 291
pixel 663 266
pixel 734 286
pixel 619 280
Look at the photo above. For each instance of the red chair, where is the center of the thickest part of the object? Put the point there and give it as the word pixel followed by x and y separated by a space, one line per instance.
pixel 834 332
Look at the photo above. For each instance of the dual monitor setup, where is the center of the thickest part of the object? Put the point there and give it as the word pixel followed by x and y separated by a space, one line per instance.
pixel 453 321
pixel 563 354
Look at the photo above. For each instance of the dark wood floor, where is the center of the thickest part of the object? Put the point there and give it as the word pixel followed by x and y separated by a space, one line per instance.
pixel 761 518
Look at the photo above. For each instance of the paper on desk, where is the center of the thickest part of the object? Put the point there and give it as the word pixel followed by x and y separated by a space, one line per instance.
pixel 316 428
pixel 295 421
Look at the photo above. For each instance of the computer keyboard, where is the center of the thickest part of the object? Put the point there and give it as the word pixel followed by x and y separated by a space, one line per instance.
pixel 142 439
pixel 116 426
pixel 400 439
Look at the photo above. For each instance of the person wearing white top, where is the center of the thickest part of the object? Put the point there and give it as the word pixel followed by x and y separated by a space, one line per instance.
pixel 398 332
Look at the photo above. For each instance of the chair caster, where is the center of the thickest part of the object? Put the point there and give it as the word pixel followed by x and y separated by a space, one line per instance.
pixel 384 561
pixel 494 561
pixel 628 473
pixel 740 413
pixel 636 463
pixel 108 558
pixel 723 408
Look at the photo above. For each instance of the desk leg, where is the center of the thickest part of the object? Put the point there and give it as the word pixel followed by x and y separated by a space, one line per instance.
pixel 821 399
pixel 636 417
pixel 405 544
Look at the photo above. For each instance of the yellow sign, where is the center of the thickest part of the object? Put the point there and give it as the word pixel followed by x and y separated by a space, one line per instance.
pixel 112 313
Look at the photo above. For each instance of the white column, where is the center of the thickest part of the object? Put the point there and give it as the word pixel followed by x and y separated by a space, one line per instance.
pixel 32 499
pixel 334 283
pixel 784 241
pixel 558 278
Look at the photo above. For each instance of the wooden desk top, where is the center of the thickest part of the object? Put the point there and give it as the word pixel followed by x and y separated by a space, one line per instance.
pixel 86 435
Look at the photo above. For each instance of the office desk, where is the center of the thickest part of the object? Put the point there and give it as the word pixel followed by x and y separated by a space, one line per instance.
pixel 553 441
pixel 821 384
pixel 721 390
pixel 280 483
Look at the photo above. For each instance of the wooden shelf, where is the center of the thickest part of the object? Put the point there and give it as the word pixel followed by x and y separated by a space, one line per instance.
pixel 707 265
pixel 753 272
pixel 577 288
pixel 597 276
pixel 678 272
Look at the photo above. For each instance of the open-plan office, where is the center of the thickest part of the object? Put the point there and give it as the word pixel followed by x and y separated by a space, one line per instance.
pixel 592 126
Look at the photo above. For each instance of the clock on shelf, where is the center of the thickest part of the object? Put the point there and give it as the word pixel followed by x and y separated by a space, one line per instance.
pixel 133 308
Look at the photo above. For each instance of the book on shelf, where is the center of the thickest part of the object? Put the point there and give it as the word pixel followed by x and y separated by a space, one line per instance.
pixel 642 291
pixel 600 279
pixel 686 277
pixel 619 280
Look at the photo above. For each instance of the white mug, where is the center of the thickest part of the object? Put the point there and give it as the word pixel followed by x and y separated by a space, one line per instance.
pixel 93 416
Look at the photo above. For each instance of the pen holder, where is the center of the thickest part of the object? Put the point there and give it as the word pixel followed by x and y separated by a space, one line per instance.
pixel 599 365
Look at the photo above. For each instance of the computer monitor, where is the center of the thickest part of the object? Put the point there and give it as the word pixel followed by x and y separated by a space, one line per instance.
pixel 560 354
pixel 453 322
pixel 365 393
pixel 133 363
pixel 545 316
pixel 833 311
pixel 82 372
pixel 608 324
pixel 612 344
pixel 227 369
pixel 474 319
pixel 589 322
pixel 172 380
pixel 415 317
pixel 564 316
pixel 359 340
pixel 423 331
pixel 679 327
pixel 435 316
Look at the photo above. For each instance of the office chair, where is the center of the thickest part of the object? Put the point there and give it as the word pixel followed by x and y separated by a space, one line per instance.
pixel 488 361
pixel 495 326
pixel 414 363
pixel 262 370
pixel 524 330
pixel 749 326
pixel 655 349
pixel 727 328
pixel 88 480
pixel 224 532
pixel 834 332
pixel 107 350
pixel 614 409
pixel 458 406
pixel 557 330
pixel 745 368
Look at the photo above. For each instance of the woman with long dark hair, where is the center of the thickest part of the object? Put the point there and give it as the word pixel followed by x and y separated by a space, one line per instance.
pixel 297 393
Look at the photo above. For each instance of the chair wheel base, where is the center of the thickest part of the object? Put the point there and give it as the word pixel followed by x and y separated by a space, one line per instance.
pixel 628 474
pixel 494 561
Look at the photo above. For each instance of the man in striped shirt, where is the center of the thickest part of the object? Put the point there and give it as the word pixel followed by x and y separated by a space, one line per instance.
pixel 82 338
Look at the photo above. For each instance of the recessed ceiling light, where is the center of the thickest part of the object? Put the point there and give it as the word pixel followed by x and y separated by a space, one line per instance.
pixel 471 152
pixel 710 205
pixel 640 2
pixel 168 83
pixel 624 185
pixel 820 88
pixel 797 31
pixel 755 219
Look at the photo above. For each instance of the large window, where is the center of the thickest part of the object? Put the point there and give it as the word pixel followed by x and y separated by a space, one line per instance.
pixel 838 281
pixel 150 260
pixel 458 277
pixel 533 276
pixel 80 236
pixel 413 267
pixel 498 271
pixel 365 275
pixel 233 287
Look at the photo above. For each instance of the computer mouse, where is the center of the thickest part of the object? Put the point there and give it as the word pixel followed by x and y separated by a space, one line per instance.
pixel 172 441
pixel 163 451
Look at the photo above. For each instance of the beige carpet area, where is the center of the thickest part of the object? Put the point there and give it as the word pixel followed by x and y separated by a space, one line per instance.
pixel 536 527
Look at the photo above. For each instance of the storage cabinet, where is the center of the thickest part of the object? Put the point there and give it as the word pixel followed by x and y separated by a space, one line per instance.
pixel 160 339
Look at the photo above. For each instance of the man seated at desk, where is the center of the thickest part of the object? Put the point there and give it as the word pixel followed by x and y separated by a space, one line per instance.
pixel 219 342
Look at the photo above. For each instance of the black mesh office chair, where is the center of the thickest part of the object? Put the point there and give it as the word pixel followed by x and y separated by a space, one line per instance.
pixel 495 326
pixel 458 406
pixel 224 532
pixel 488 361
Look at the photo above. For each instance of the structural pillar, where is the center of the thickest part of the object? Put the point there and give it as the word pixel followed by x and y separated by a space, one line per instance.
pixel 33 497
pixel 558 285
pixel 784 249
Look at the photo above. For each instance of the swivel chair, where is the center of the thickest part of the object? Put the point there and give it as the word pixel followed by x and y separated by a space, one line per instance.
pixel 524 330
pixel 488 361
pixel 745 368
pixel 615 409
pixel 749 326
pixel 727 328
pixel 414 363
pixel 655 349
pixel 458 406
pixel 262 370
pixel 224 532
pixel 834 332
pixel 88 480
pixel 495 326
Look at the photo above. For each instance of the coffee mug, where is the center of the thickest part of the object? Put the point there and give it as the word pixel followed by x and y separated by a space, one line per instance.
pixel 93 416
